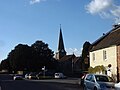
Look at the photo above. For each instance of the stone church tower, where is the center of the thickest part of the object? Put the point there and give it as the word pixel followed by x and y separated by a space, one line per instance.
pixel 61 50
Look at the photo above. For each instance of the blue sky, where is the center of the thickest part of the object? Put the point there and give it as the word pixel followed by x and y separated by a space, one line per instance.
pixel 25 21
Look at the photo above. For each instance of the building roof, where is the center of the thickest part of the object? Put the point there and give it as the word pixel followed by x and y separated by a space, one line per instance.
pixel 67 57
pixel 109 39
pixel 61 50
pixel 77 59
pixel 61 43
pixel 70 57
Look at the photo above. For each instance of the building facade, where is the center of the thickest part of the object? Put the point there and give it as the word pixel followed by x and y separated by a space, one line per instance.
pixel 106 51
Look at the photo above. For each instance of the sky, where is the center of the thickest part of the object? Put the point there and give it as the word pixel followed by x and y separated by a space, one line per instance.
pixel 26 21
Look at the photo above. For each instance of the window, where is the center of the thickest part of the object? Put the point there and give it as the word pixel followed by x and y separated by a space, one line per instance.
pixel 92 79
pixel 89 77
pixel 102 78
pixel 93 55
pixel 104 55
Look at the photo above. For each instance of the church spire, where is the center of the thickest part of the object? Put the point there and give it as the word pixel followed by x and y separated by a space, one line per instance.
pixel 60 44
pixel 61 50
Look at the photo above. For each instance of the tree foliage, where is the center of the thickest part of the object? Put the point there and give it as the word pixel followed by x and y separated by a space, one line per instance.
pixel 30 58
pixel 5 65
pixel 42 50
pixel 43 55
pixel 85 54
pixel 86 48
pixel 97 69
pixel 21 57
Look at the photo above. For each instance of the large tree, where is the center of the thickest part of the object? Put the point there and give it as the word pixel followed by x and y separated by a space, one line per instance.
pixel 31 58
pixel 21 57
pixel 44 54
pixel 85 55
pixel 5 65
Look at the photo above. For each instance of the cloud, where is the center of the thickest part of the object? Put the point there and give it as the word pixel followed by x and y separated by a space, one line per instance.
pixel 97 6
pixel 116 13
pixel 39 1
pixel 35 1
pixel 104 8
pixel 75 51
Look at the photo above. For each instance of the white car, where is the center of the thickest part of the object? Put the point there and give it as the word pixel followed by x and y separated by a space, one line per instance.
pixel 59 75
pixel 18 77
pixel 27 76
pixel 98 82
pixel 117 86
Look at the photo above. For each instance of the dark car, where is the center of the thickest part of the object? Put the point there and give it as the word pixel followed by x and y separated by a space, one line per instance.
pixel 98 82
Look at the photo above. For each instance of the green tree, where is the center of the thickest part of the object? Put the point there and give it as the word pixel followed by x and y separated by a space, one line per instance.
pixel 86 48
pixel 90 70
pixel 21 57
pixel 85 55
pixel 5 65
pixel 31 58
pixel 44 54
pixel 97 69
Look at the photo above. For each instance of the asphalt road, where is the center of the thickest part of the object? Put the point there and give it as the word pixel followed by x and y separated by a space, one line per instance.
pixel 32 85
pixel 56 84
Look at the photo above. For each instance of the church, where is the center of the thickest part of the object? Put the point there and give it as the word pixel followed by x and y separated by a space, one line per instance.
pixel 69 65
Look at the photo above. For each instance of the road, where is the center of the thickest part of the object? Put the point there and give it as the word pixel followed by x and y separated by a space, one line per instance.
pixel 52 84
pixel 32 85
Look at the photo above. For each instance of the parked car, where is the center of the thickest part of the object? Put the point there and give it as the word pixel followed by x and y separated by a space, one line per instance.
pixel 117 86
pixel 98 82
pixel 59 75
pixel 27 76
pixel 47 74
pixel 39 75
pixel 18 77
pixel 32 75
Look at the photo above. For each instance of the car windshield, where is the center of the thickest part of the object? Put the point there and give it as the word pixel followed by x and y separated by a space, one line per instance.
pixel 57 74
pixel 103 78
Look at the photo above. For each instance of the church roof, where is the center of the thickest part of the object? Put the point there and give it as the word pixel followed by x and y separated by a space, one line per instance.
pixel 67 57
pixel 107 40
pixel 60 44
pixel 77 59
pixel 70 57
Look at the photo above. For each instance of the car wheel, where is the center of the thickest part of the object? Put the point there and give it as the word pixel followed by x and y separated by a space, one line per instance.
pixel 95 88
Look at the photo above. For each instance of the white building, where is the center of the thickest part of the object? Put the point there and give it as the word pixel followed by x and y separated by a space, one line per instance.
pixel 106 51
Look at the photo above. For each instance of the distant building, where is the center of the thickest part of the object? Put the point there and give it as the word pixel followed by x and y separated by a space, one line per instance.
pixel 68 64
pixel 61 50
pixel 106 51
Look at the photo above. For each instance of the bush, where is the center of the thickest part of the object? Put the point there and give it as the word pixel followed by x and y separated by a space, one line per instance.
pixel 97 69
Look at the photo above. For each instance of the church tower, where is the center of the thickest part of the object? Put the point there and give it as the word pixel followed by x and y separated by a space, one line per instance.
pixel 61 50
